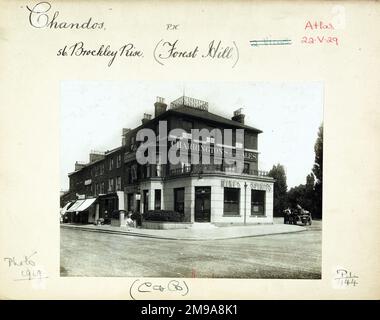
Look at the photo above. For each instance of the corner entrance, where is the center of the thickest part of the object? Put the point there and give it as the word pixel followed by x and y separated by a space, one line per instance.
pixel 202 211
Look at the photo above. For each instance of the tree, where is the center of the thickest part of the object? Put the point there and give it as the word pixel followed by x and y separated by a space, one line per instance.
pixel 297 195
pixel 310 180
pixel 318 162
pixel 309 195
pixel 280 189
pixel 318 173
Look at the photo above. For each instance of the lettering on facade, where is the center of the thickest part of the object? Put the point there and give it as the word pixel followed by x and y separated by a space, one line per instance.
pixel 212 149
pixel 251 185
pixel 260 186
pixel 248 155
pixel 230 184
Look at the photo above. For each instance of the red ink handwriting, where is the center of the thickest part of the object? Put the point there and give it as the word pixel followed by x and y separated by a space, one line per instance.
pixel 315 25
pixel 319 36
pixel 320 39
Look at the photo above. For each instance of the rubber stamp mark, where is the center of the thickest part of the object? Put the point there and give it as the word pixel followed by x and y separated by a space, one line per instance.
pixel 270 42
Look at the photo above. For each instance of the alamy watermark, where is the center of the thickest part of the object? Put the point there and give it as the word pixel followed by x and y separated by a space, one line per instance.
pixel 199 146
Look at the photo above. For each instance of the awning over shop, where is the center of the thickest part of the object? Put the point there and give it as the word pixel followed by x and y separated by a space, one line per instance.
pixel 64 209
pixel 86 204
pixel 75 206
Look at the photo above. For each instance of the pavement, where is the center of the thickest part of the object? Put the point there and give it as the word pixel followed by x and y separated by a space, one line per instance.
pixel 210 232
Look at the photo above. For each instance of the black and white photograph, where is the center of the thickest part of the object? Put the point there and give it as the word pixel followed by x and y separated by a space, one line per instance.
pixel 190 150
pixel 191 179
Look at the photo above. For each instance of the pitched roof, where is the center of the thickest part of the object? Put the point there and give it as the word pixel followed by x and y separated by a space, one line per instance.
pixel 183 110
pixel 89 164
pixel 193 112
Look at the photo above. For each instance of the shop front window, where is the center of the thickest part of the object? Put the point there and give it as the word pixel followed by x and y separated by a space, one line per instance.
pixel 179 200
pixel 257 202
pixel 157 199
pixel 130 201
pixel 231 201
pixel 146 200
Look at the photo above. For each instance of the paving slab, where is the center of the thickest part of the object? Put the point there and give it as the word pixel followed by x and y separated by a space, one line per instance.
pixel 214 233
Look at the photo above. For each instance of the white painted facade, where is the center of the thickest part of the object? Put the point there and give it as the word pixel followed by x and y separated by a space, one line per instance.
pixel 245 183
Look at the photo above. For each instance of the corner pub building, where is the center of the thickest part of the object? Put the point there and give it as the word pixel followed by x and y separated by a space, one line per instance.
pixel 213 193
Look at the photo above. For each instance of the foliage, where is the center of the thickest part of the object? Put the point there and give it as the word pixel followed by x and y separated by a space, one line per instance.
pixel 309 195
pixel 280 189
pixel 318 162
pixel 318 172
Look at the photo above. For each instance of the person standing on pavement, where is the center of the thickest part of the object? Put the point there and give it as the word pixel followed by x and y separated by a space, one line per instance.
pixel 130 222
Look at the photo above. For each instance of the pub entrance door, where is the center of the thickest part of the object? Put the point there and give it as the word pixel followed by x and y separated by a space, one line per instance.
pixel 202 211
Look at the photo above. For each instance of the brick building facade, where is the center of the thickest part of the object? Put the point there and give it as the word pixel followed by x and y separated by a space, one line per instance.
pixel 203 192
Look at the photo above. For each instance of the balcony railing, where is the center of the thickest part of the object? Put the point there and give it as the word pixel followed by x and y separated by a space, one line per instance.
pixel 213 168
pixel 189 102
pixel 157 171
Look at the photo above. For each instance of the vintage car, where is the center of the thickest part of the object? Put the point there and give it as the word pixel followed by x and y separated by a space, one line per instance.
pixel 297 215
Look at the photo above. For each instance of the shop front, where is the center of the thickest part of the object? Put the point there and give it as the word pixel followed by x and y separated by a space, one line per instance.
pixel 107 204
pixel 212 199
pixel 220 199
pixel 80 211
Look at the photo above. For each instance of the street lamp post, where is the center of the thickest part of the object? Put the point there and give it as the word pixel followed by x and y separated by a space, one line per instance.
pixel 245 203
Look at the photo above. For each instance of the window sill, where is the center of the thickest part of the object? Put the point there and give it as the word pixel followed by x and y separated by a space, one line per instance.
pixel 257 216
pixel 231 215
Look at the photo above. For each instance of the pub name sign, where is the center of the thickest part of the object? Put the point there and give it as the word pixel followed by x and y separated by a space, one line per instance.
pixel 217 151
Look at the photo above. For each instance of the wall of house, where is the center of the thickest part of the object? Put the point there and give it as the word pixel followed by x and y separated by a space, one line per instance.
pixel 168 195
pixel 151 186
pixel 217 198
pixel 245 202
pixel 91 173
pixel 167 187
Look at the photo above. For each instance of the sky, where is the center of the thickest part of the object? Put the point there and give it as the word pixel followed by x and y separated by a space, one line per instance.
pixel 93 114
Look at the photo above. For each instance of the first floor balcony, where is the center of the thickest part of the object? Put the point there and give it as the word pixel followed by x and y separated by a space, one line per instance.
pixel 146 172
pixel 212 168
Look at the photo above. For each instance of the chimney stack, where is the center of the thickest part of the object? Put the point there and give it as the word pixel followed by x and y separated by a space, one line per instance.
pixel 79 165
pixel 125 131
pixel 147 117
pixel 238 116
pixel 96 155
pixel 159 106
pixel 123 135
